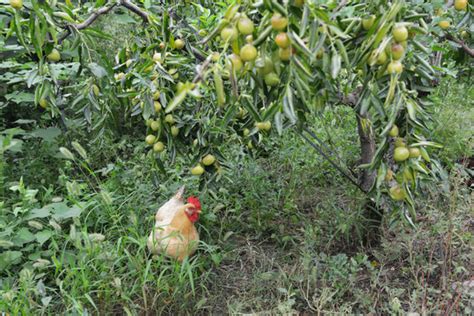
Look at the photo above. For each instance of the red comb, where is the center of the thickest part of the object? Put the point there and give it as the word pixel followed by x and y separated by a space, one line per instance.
pixel 195 201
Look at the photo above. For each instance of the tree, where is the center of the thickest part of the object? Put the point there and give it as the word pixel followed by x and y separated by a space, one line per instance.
pixel 251 69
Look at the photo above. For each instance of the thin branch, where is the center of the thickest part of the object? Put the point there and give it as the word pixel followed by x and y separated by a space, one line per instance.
pixel 135 9
pixel 201 69
pixel 461 43
pixel 104 10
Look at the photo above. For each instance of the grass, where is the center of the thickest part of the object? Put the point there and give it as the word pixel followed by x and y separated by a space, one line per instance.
pixel 280 234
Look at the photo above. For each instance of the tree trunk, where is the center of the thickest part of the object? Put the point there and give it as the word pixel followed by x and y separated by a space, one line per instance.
pixel 367 151
pixel 373 213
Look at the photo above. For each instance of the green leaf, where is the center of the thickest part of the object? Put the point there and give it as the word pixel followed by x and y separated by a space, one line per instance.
pixel 43 236
pixel 61 210
pixel 335 65
pixel 97 70
pixel 9 257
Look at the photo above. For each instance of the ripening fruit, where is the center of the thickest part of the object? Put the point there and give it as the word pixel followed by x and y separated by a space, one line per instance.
pixel 95 90
pixel 389 175
pixel 236 62
pixel 272 79
pixel 43 103
pixel 395 67
pixel 246 132
pixel 460 5
pixel 267 66
pixel 284 53
pixel 155 125
pixel 397 51
pixel 267 126
pixel 197 171
pixel 248 52
pixel 229 33
pixel 157 106
pixel 158 147
pixel 174 131
pixel 150 139
pixel 282 40
pixel 401 154
pixel 179 43
pixel 173 72
pixel 16 4
pixel 245 26
pixel 414 152
pixel 393 131
pixel 279 22
pixel 208 160
pixel 148 122
pixel 119 76
pixel 368 22
pixel 54 55
pixel 162 45
pixel 399 142
pixel 156 95
pixel 169 119
pixel 400 33
pixel 157 58
pixel 397 193
pixel 444 24
pixel 381 58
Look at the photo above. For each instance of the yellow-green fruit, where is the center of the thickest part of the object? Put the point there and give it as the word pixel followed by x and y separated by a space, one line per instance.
pixel 202 33
pixel 229 33
pixel 248 52
pixel 267 126
pixel 43 103
pixel 54 55
pixel 179 43
pixel 155 125
pixel 368 22
pixel 169 119
pixel 267 66
pixel 389 175
pixel 381 58
pixel 400 33
pixel 399 142
pixel 298 3
pixel 393 131
pixel 407 175
pixel 157 106
pixel 397 193
pixel 250 145
pixel 284 53
pixel 150 139
pixel 173 72
pixel 395 67
pixel 156 95
pixel 162 45
pixel 282 40
pixel 16 4
pixel 148 122
pixel 198 170
pixel 208 160
pixel 95 90
pixel 401 154
pixel 174 131
pixel 236 62
pixel 460 5
pixel 414 152
pixel 128 62
pixel 245 26
pixel 272 79
pixel 260 125
pixel 279 22
pixel 444 24
pixel 119 76
pixel 158 147
pixel 246 132
pixel 157 58
pixel 397 51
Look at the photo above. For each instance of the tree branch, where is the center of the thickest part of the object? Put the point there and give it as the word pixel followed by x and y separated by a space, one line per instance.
pixel 461 43
pixel 135 9
pixel 104 10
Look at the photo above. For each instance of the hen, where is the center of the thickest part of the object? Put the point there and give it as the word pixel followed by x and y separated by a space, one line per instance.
pixel 174 233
